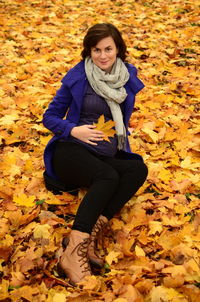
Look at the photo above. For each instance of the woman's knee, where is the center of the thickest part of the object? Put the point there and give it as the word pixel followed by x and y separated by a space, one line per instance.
pixel 139 169
pixel 144 169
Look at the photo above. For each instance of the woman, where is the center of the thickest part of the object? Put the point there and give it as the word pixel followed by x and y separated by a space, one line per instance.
pixel 77 156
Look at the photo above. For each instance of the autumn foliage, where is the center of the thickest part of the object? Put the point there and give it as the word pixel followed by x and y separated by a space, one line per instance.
pixel 153 247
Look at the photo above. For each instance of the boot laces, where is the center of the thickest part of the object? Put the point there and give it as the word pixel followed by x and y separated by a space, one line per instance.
pixel 98 233
pixel 97 229
pixel 82 253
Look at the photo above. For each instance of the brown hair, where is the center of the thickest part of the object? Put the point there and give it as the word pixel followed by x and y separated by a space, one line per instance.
pixel 100 31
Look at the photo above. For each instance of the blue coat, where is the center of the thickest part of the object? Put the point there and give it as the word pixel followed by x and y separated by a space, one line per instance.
pixel 69 98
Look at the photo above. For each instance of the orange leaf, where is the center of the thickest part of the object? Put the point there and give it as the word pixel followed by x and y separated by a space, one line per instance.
pixel 105 127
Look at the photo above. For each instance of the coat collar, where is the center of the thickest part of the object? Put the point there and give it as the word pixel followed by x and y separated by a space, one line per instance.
pixel 75 74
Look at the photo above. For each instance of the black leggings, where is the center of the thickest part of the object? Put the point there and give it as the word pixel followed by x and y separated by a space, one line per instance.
pixel 111 181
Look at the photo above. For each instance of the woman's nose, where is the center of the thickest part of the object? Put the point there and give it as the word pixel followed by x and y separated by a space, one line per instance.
pixel 103 54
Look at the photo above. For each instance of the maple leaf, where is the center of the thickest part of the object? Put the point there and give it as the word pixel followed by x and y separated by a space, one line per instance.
pixel 151 134
pixel 155 226
pixel 105 127
pixel 42 231
pixel 161 293
pixel 24 200
pixel 91 283
pixel 8 241
pixel 8 119
pixel 112 257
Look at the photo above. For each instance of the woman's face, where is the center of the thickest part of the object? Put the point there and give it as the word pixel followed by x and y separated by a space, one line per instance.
pixel 104 54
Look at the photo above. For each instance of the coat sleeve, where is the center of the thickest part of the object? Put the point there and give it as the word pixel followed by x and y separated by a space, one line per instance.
pixel 136 83
pixel 53 116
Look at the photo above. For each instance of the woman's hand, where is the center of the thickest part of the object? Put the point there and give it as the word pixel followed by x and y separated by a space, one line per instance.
pixel 87 134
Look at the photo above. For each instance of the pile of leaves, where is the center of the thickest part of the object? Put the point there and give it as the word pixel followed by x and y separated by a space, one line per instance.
pixel 153 251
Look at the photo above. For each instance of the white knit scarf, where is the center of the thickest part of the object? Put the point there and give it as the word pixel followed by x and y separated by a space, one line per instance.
pixel 111 87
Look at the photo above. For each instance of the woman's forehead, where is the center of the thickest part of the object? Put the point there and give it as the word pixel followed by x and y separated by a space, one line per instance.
pixel 105 42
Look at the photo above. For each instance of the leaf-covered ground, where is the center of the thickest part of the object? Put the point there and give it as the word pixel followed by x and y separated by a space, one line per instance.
pixel 153 251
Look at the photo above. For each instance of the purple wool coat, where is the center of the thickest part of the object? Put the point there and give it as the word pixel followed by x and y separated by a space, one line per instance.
pixel 63 112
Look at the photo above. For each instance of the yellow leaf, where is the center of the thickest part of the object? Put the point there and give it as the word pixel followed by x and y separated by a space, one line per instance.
pixel 117 224
pixel 151 134
pixel 42 231
pixel 50 198
pixel 155 226
pixel 59 297
pixel 22 101
pixel 23 200
pixel 29 165
pixel 91 283
pixel 112 257
pixel 165 175
pixel 139 251
pixel 134 52
pixel 187 164
pixel 192 266
pixel 8 119
pixel 174 221
pixel 4 289
pixel 105 127
pixel 161 293
pixel 7 241
pixel 44 140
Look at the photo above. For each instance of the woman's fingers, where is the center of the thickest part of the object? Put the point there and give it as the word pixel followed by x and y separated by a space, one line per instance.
pixel 96 138
pixel 91 143
pixel 95 131
pixel 87 133
pixel 91 126
pixel 98 134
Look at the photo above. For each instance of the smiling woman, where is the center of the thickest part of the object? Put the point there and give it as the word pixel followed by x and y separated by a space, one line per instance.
pixel 78 156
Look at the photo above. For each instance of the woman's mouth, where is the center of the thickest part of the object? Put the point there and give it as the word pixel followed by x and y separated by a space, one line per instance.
pixel 104 62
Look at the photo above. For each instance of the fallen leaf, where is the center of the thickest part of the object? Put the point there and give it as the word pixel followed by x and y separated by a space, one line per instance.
pixel 105 127
pixel 24 200
pixel 42 231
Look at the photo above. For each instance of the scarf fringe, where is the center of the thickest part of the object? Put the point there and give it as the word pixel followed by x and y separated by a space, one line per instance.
pixel 121 142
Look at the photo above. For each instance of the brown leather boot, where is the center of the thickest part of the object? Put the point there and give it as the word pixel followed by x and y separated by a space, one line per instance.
pixel 74 260
pixel 95 259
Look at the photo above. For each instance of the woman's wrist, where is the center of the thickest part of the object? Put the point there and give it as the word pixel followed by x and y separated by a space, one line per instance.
pixel 73 131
